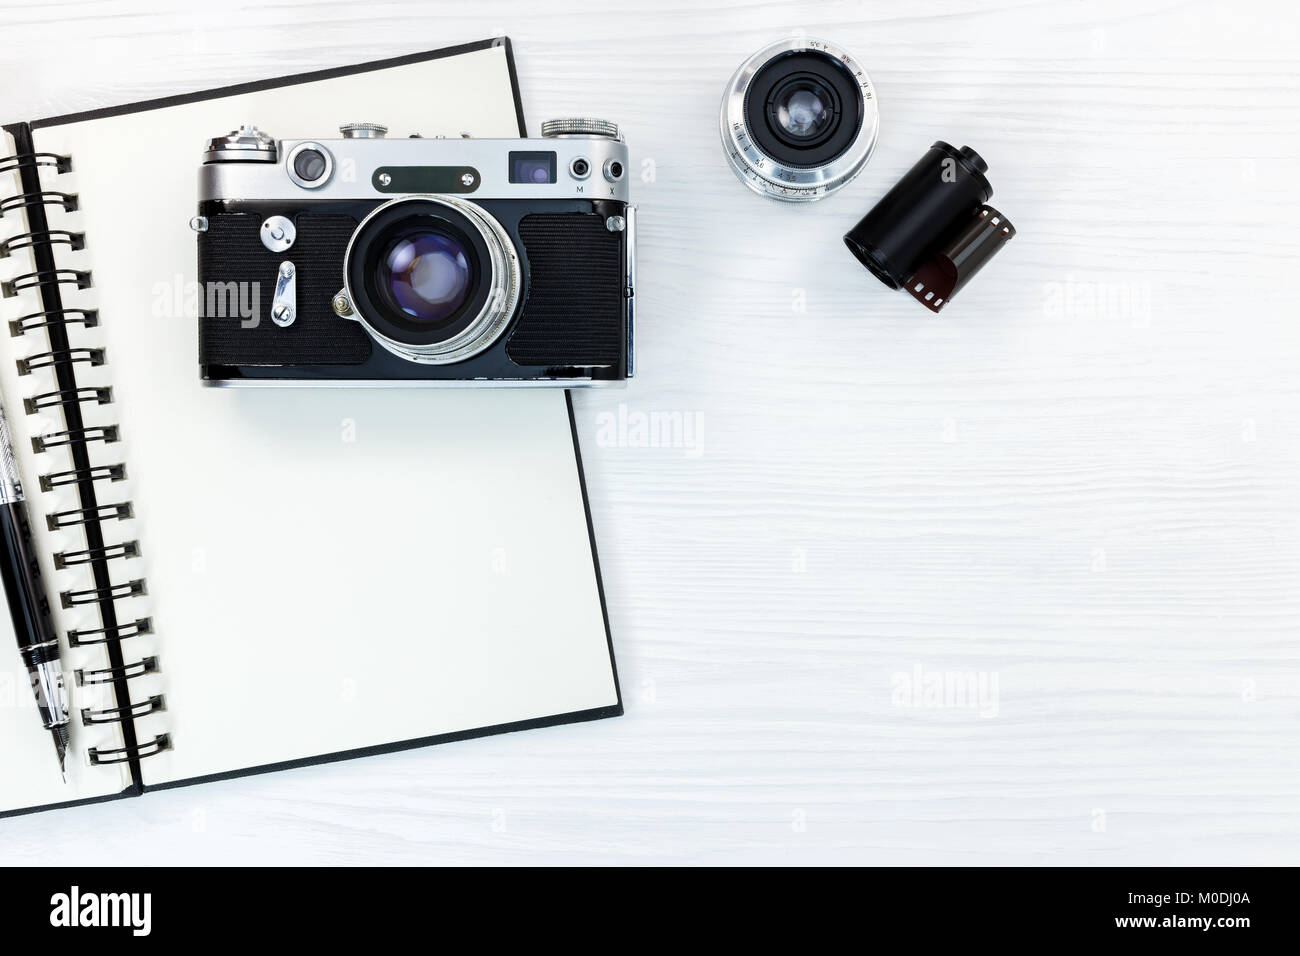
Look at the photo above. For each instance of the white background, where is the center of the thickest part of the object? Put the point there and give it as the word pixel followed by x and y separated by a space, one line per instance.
pixel 1080 481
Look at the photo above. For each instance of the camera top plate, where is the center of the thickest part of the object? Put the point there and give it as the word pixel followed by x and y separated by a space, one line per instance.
pixel 586 166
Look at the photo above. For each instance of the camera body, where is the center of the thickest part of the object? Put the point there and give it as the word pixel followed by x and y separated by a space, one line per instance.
pixel 367 260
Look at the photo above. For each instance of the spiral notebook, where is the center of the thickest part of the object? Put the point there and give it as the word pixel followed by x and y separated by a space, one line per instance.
pixel 252 579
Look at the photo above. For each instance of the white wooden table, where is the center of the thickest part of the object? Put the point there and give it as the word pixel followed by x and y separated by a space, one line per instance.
pixel 1077 486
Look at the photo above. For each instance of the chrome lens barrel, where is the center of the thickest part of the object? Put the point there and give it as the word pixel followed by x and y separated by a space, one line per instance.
pixel 768 160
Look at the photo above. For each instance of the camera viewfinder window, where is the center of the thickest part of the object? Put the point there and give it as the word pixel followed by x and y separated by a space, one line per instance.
pixel 532 167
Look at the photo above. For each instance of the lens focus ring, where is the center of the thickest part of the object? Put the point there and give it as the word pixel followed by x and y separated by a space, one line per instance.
pixel 799 120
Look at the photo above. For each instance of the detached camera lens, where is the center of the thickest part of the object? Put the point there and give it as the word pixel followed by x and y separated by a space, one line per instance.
pixel 799 120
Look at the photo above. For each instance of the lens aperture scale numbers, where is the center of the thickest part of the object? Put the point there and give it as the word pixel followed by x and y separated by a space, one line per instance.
pixel 752 166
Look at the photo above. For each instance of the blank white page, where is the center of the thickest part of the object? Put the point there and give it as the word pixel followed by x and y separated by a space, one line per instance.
pixel 328 569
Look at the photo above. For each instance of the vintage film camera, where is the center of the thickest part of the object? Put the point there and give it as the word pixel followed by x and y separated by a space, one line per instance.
pixel 369 260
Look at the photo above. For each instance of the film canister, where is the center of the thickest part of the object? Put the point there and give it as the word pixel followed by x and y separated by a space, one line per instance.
pixel 934 230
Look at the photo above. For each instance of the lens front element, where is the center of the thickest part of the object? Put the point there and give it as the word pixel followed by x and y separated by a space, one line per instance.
pixel 803 109
pixel 428 275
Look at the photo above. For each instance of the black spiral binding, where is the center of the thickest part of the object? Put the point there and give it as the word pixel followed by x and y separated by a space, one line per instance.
pixel 77 240
pixel 57 479
pixel 98 395
pixel 40 320
pixel 132 754
pixel 106 675
pixel 108 434
pixel 46 281
pixel 42 278
pixel 59 520
pixel 68 559
pixel 117 633
pixel 62 163
pixel 36 199
pixel 55 357
pixel 115 715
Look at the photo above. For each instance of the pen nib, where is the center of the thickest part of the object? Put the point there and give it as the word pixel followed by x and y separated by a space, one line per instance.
pixel 61 748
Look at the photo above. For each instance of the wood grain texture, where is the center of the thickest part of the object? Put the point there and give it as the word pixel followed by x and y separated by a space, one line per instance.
pixel 1079 482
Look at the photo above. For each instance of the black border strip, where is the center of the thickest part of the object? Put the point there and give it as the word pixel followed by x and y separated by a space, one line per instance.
pixel 84 802
pixel 615 710
pixel 595 557
pixel 258 86
pixel 577 716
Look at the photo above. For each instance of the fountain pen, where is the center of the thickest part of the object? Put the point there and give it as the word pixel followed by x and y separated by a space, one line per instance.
pixel 20 574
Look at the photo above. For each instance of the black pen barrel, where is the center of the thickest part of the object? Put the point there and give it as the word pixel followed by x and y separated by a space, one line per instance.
pixel 20 574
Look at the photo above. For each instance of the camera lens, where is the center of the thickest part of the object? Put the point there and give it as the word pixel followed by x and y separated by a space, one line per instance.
pixel 799 120
pixel 428 275
pixel 434 280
